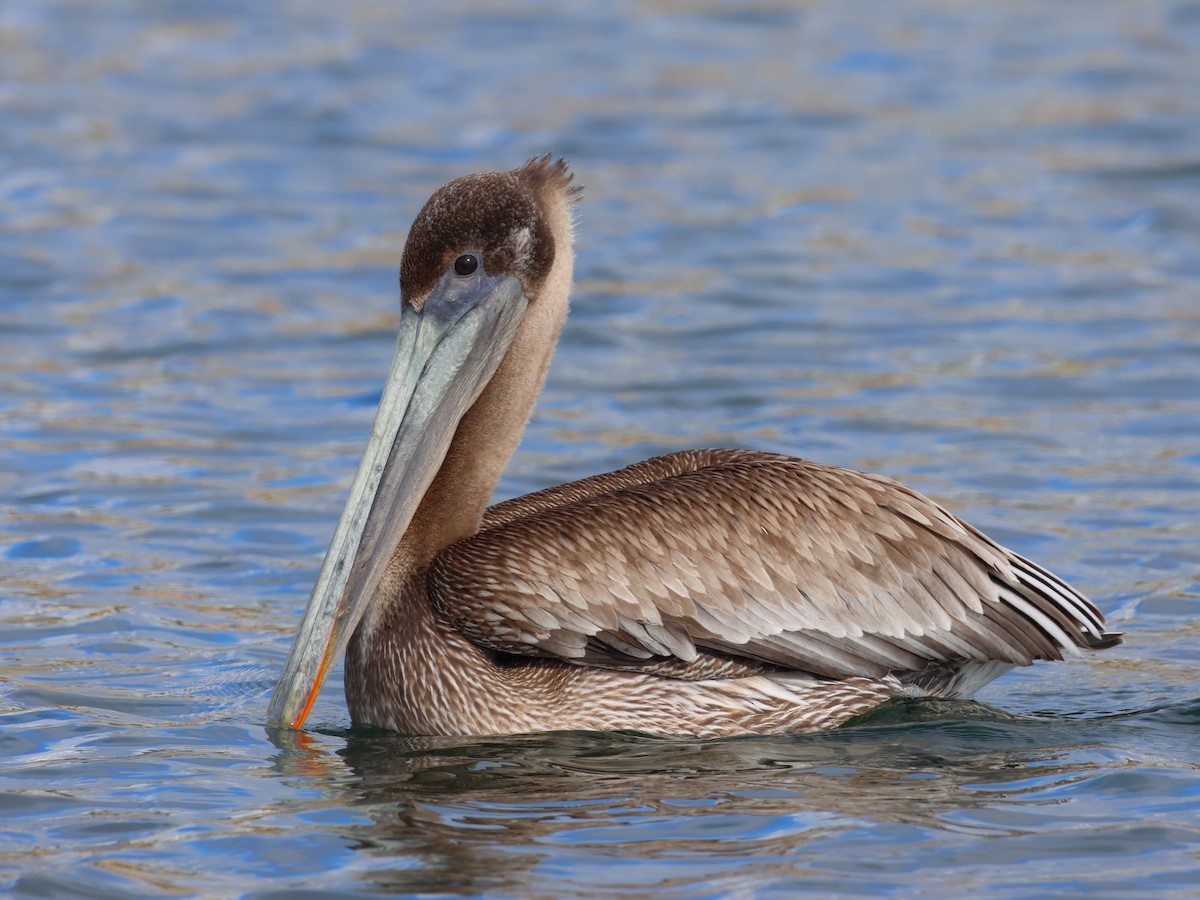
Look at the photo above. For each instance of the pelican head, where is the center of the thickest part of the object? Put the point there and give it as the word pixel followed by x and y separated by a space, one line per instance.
pixel 484 281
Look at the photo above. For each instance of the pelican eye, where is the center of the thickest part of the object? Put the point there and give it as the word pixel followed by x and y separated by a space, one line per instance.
pixel 466 264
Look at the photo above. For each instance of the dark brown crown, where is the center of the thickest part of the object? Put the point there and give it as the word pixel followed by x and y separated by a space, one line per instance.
pixel 501 215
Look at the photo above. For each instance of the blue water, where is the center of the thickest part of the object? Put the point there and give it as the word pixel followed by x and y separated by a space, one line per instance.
pixel 957 244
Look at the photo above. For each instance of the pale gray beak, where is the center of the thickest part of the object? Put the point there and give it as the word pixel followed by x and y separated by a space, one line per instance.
pixel 445 355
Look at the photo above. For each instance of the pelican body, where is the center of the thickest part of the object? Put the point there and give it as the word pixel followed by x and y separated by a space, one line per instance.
pixel 702 593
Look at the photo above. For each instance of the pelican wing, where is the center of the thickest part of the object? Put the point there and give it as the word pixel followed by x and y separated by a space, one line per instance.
pixel 753 556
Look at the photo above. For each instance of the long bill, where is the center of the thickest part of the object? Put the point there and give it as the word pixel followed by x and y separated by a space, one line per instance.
pixel 446 353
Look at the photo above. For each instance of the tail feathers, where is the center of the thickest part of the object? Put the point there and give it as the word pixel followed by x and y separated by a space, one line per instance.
pixel 957 680
pixel 1062 613
pixel 1105 640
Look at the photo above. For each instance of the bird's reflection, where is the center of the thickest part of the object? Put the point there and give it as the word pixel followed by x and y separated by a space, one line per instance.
pixel 496 814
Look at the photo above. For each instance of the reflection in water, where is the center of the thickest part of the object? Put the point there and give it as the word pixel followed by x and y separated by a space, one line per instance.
pixel 487 815
pixel 953 243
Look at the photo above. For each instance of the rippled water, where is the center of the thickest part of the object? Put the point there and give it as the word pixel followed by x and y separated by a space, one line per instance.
pixel 953 243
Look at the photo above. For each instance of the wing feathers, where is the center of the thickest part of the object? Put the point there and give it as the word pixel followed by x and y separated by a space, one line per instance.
pixel 757 557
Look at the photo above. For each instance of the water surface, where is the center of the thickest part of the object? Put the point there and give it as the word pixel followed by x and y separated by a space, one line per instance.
pixel 955 244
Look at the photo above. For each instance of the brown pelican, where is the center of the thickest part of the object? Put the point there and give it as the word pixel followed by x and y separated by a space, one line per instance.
pixel 705 593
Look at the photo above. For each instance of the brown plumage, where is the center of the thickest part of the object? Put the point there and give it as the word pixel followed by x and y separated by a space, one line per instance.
pixel 706 592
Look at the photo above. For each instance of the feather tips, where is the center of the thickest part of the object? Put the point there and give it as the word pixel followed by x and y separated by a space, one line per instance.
pixel 752 556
